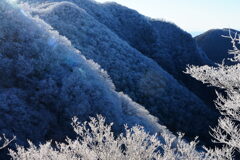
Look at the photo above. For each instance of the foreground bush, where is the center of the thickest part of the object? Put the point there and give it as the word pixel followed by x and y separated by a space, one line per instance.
pixel 96 141
pixel 225 77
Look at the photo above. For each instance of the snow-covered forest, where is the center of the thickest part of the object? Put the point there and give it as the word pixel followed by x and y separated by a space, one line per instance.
pixel 98 81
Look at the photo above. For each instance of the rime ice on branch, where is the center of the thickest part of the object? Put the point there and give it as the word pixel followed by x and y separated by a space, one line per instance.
pixel 228 78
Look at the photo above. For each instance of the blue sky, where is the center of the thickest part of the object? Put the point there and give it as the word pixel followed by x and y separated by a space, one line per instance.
pixel 190 15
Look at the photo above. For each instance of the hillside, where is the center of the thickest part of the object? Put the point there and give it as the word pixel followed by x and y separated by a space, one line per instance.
pixel 86 80
pixel 45 81
pixel 132 72
pixel 168 45
pixel 215 46
pixel 81 58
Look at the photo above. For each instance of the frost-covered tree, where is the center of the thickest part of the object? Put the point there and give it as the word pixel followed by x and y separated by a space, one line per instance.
pixel 215 45
pixel 227 78
pixel 5 141
pixel 96 141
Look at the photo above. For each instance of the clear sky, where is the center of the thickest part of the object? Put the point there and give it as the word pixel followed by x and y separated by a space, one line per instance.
pixel 190 15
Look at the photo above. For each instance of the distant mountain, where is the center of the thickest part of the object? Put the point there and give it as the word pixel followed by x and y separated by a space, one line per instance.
pixel 215 46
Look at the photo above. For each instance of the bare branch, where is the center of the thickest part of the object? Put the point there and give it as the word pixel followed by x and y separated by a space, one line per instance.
pixel 235 39
pixel 6 141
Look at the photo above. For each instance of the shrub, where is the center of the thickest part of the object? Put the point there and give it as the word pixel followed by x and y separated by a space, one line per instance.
pixel 96 141
pixel 227 131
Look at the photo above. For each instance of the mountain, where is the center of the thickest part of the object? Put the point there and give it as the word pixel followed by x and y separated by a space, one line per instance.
pixel 215 45
pixel 132 72
pixel 162 41
pixel 168 45
pixel 171 47
pixel 45 81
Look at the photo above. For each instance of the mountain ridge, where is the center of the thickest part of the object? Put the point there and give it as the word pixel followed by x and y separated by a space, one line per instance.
pixel 132 72
pixel 215 45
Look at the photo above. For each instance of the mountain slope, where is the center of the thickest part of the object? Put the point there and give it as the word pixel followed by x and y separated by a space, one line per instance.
pixel 215 46
pixel 45 82
pixel 168 45
pixel 137 75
